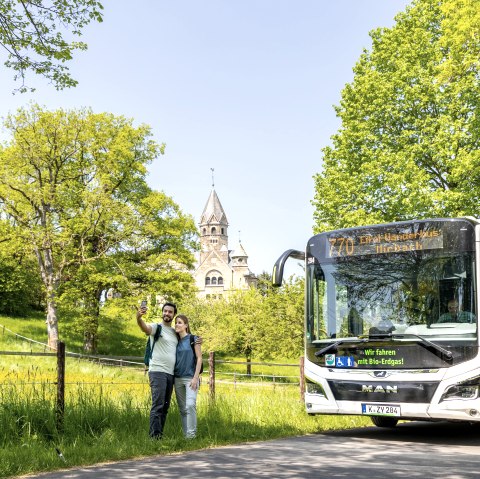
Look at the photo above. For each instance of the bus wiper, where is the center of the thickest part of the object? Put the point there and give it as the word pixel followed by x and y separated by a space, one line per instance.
pixel 337 343
pixel 427 343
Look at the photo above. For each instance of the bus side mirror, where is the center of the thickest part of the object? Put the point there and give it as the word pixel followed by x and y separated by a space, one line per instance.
pixel 277 275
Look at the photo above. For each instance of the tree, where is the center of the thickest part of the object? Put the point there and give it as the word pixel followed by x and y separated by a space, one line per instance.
pixel 262 323
pixel 231 326
pixel 32 33
pixel 73 185
pixel 284 328
pixel 408 146
pixel 154 260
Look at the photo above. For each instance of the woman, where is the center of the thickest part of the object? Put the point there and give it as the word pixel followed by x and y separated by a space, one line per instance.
pixel 187 375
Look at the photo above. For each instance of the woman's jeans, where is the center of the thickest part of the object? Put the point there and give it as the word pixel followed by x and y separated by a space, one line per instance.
pixel 161 385
pixel 187 404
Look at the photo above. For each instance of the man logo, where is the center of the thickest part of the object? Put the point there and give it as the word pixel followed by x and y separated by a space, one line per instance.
pixel 369 388
pixel 380 374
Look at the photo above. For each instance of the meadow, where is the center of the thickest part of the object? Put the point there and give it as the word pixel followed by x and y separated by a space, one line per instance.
pixel 106 413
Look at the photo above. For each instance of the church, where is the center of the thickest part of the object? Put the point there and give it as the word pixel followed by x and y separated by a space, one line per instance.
pixel 219 269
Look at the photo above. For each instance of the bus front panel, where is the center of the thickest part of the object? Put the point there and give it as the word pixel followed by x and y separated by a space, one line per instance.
pixel 391 317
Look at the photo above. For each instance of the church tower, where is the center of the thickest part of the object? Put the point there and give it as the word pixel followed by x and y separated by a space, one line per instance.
pixel 242 276
pixel 219 269
pixel 213 229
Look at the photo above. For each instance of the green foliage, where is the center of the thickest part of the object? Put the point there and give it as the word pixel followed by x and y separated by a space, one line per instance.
pixel 284 328
pixel 32 33
pixel 460 23
pixel 257 323
pixel 408 144
pixel 20 284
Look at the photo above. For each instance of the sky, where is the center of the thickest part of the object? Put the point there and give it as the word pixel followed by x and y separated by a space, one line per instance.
pixel 246 87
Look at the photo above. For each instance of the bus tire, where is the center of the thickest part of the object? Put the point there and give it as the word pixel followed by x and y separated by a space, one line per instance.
pixel 382 421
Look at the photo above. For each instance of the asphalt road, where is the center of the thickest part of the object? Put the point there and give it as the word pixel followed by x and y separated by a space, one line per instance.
pixel 411 450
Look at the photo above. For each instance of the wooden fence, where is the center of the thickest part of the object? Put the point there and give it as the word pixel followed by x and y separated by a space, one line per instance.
pixel 136 361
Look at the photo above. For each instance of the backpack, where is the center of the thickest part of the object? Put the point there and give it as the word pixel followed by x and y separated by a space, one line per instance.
pixel 150 345
pixel 192 345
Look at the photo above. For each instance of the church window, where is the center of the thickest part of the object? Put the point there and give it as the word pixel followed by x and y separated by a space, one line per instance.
pixel 223 231
pixel 213 277
pixel 213 230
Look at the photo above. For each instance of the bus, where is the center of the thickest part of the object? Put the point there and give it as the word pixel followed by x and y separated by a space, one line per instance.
pixel 391 328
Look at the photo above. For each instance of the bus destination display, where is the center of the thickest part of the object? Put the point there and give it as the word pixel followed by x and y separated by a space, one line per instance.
pixel 362 243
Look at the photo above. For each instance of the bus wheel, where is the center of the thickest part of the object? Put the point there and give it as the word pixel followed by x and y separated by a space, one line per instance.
pixel 382 421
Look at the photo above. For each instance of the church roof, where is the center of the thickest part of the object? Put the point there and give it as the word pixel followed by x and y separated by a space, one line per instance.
pixel 207 264
pixel 213 211
pixel 239 251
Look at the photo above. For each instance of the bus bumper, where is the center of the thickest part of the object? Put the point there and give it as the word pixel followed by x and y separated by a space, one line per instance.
pixel 458 410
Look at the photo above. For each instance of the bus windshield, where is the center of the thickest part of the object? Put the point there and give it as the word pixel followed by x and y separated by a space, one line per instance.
pixel 410 278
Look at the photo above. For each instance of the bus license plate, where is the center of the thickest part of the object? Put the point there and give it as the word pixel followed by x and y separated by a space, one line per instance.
pixel 381 409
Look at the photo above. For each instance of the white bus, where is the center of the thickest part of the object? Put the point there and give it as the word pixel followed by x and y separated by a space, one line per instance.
pixel 391 328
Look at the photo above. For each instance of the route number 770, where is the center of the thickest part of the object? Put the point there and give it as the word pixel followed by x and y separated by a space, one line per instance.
pixel 341 247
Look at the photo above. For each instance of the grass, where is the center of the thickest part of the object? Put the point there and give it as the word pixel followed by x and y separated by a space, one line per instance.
pixel 106 414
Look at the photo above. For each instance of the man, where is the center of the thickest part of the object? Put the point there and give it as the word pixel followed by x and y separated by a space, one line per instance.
pixel 455 314
pixel 161 366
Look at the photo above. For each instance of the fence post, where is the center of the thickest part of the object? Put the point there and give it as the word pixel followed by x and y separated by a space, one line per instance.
pixel 60 405
pixel 211 370
pixel 302 378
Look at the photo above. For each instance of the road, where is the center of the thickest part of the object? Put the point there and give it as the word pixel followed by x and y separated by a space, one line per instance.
pixel 411 450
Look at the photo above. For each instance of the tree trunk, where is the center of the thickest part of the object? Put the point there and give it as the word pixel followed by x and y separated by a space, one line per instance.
pixel 90 332
pixel 89 342
pixel 248 356
pixel 52 321
pixel 91 324
pixel 45 262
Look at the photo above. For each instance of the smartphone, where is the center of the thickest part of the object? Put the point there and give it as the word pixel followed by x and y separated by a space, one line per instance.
pixel 144 304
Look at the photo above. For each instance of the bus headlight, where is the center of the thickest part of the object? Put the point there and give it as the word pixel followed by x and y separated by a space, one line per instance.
pixel 314 388
pixel 464 390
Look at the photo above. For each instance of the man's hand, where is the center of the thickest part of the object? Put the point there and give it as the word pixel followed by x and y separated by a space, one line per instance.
pixel 141 323
pixel 141 312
